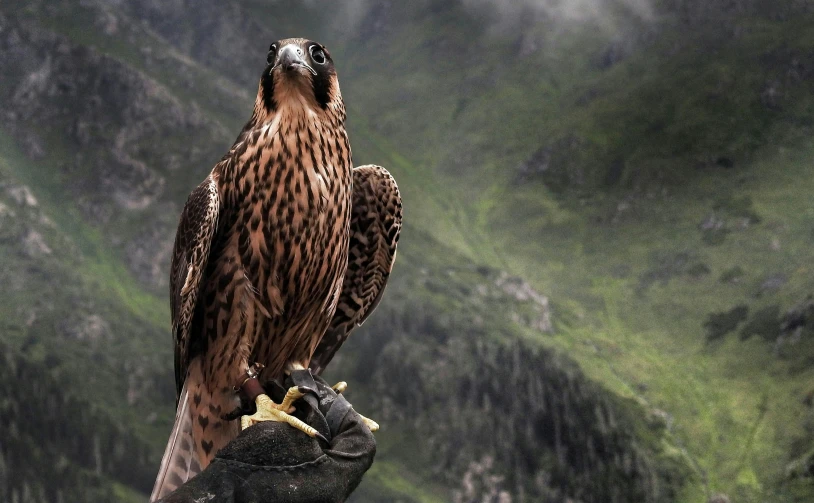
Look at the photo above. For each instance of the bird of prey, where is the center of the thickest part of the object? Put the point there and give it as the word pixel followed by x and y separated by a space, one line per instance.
pixel 280 252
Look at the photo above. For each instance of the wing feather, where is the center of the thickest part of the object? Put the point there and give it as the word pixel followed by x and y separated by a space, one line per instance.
pixel 193 244
pixel 374 233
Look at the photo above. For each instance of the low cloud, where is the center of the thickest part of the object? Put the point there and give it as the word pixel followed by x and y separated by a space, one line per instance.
pixel 567 10
pixel 508 14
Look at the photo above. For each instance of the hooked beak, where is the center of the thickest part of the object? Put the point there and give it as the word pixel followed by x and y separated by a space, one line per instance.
pixel 291 57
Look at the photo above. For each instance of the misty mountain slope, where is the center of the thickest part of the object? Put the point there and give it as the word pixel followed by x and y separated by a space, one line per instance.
pixel 94 137
pixel 705 217
pixel 678 188
pixel 66 294
pixel 60 441
pixel 611 177
pixel 652 179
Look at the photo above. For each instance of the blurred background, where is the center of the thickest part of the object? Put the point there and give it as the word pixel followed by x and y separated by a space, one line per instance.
pixel 604 285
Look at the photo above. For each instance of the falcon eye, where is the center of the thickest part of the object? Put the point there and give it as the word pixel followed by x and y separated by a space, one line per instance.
pixel 318 55
pixel 272 53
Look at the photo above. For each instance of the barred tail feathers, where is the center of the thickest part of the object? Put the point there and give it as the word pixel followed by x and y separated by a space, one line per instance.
pixel 180 462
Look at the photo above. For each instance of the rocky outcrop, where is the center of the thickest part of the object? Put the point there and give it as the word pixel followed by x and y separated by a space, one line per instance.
pixel 112 135
pixel 525 295
pixel 222 35
pixel 556 164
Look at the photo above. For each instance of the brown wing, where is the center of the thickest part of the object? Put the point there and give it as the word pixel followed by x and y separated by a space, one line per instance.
pixel 374 233
pixel 193 241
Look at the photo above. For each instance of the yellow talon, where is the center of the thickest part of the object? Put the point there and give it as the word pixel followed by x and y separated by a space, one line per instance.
pixel 267 410
pixel 291 396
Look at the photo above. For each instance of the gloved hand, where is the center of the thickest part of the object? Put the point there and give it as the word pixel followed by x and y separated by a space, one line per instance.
pixel 273 462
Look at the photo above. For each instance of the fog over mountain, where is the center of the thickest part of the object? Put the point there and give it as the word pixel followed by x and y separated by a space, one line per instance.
pixel 566 11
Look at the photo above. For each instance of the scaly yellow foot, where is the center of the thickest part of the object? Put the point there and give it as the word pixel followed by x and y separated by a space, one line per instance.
pixel 267 410
pixel 339 388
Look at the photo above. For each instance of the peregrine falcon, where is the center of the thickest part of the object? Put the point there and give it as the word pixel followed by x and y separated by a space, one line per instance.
pixel 280 252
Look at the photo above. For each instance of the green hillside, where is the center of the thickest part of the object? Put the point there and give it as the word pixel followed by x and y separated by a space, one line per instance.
pixel 608 217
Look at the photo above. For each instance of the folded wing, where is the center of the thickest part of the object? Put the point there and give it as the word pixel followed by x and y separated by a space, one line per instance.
pixel 193 243
pixel 374 234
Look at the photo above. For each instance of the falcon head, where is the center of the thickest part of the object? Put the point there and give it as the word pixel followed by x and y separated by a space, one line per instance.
pixel 299 73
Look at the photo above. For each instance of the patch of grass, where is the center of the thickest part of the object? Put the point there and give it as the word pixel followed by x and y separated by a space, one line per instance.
pixel 390 481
